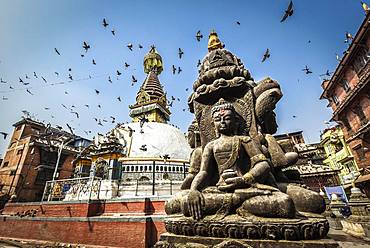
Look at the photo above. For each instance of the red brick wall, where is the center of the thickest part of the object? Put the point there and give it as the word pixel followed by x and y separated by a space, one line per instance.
pixel 106 233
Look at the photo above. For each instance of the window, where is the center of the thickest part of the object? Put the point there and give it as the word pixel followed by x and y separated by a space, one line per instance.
pixel 18 128
pixel 6 164
pixel 20 151
pixel 335 99
pixel 141 168
pixel 345 84
pixel 361 59
pixel 12 172
pixel 360 153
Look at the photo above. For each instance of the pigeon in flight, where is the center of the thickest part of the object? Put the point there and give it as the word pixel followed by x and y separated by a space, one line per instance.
pixel 199 35
pixel 93 61
pixel 173 69
pixel 288 12
pixel 327 73
pixel 70 76
pixel 129 46
pixel 140 46
pixel 110 80
pixel 119 99
pixel 118 73
pixel 307 70
pixel 238 23
pixel 97 92
pixel 134 80
pixel 126 65
pixel 35 75
pixel 266 55
pixel 104 23
pixel 4 135
pixel 29 92
pixel 180 53
pixel 113 32
pixel 143 148
pixel 43 79
pixel 179 70
pixel 86 46
pixel 199 63
pixel 56 50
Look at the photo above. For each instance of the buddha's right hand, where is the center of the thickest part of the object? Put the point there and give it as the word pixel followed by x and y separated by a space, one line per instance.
pixel 195 203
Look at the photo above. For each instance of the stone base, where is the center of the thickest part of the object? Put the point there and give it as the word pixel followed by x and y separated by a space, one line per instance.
pixel 168 240
pixel 234 226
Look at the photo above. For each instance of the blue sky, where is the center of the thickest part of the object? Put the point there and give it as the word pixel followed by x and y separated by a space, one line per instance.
pixel 30 30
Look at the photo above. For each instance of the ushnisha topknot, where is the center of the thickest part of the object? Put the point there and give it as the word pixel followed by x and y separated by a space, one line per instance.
pixel 222 105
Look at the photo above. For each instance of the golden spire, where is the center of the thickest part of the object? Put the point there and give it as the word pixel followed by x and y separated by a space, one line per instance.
pixel 214 42
pixel 153 61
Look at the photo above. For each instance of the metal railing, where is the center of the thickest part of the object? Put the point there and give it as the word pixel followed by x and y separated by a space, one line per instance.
pixel 85 187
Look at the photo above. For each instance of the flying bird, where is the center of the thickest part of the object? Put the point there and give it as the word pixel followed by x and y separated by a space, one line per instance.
pixel 180 53
pixel 35 75
pixel 21 80
pixel 56 50
pixel 140 46
pixel 238 23
pixel 143 148
pixel 199 63
pixel 126 65
pixel 2 81
pixel 129 46
pixel 86 46
pixel 105 24
pixel 76 113
pixel 307 70
pixel 143 120
pixel 109 79
pixel 288 11
pixel 56 73
pixel 118 73
pixel 113 119
pixel 327 73
pixel 93 61
pixel 266 55
pixel 130 131
pixel 134 80
pixel 70 76
pixel 294 116
pixel 70 128
pixel 119 99
pixel 29 92
pixel 179 70
pixel 5 98
pixel 99 106
pixel 97 92
pixel 113 32
pixel 27 77
pixel 4 135
pixel 87 105
pixel 173 69
pixel 199 35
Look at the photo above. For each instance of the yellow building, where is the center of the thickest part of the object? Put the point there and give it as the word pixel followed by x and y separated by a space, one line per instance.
pixel 339 155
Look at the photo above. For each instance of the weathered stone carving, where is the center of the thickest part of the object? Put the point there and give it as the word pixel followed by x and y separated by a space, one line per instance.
pixel 240 191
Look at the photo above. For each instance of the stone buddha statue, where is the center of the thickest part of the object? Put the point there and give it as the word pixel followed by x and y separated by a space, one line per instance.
pixel 241 170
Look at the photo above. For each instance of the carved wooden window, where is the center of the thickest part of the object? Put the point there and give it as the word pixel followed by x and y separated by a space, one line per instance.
pixel 360 153
pixel 6 164
pixel 357 109
pixel 344 83
pixel 361 58
pixel 335 99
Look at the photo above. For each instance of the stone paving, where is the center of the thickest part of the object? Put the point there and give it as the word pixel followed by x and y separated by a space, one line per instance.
pixel 347 241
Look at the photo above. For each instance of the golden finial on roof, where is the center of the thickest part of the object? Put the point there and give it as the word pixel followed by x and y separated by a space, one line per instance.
pixel 214 42
pixel 153 61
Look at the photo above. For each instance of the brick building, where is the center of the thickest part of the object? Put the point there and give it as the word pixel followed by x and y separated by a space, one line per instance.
pixel 348 93
pixel 310 165
pixel 30 159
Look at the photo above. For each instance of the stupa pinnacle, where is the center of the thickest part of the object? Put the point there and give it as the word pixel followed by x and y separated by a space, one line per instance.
pixel 151 101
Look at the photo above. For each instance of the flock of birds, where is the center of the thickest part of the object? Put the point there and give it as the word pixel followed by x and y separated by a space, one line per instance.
pixel 288 12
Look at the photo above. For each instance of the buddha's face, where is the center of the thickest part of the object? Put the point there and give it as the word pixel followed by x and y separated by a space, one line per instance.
pixel 224 121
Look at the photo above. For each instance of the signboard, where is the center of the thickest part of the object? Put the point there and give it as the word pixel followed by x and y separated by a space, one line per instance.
pixel 338 190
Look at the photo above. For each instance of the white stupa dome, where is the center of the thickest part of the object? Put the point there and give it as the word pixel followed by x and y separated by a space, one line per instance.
pixel 155 140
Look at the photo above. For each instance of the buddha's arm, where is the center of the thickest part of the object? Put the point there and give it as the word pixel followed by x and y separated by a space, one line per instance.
pixel 205 166
pixel 259 165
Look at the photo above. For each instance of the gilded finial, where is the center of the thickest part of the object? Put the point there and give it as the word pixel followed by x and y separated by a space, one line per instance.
pixel 214 42
pixel 153 61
